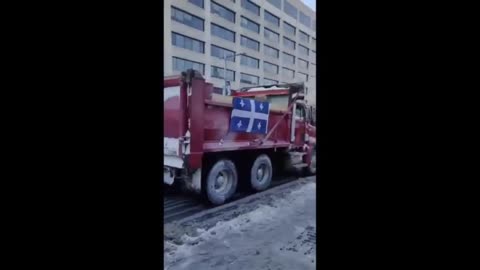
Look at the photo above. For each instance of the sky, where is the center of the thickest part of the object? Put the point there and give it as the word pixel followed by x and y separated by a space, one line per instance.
pixel 311 3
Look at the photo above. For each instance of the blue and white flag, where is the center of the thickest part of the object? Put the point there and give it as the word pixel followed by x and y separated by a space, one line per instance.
pixel 249 115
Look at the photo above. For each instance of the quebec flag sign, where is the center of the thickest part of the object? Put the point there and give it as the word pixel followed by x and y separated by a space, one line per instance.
pixel 249 115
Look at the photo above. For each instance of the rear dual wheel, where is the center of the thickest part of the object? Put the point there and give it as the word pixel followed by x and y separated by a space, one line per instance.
pixel 261 173
pixel 222 179
pixel 221 182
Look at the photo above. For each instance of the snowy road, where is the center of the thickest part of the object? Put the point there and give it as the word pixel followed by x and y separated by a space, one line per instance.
pixel 178 205
pixel 270 230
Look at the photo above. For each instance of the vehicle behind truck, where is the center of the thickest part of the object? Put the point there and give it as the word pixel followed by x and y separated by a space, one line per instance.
pixel 211 145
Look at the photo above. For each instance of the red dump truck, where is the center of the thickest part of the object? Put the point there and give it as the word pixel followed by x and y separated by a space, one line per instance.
pixel 203 154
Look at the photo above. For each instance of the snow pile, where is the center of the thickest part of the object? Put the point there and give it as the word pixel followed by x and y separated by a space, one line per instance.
pixel 264 214
pixel 258 225
pixel 266 89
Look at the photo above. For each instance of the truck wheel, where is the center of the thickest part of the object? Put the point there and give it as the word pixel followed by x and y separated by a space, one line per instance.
pixel 261 173
pixel 312 169
pixel 221 182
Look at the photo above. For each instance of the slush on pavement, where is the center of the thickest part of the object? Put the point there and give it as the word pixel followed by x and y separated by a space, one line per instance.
pixel 276 231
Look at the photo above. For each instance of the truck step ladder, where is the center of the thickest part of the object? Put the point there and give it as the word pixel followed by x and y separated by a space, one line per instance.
pixel 296 157
pixel 300 165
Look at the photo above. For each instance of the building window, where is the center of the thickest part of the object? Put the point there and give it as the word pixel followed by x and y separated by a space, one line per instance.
pixel 288 58
pixel 250 25
pixel 218 90
pixel 314 54
pixel 250 43
pixel 217 72
pixel 269 81
pixel 197 2
pixel 304 19
pixel 289 29
pixel 302 63
pixel 248 5
pixel 304 37
pixel 288 43
pixel 270 35
pixel 314 25
pixel 269 17
pixel 187 19
pixel 288 73
pixel 270 51
pixel 222 33
pixel 303 50
pixel 290 9
pixel 249 79
pixel 277 3
pixel 270 68
pixel 249 61
pixel 188 43
pixel 303 77
pixel 314 41
pixel 180 64
pixel 220 52
pixel 222 12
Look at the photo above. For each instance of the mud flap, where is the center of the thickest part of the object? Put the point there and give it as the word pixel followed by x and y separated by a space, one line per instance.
pixel 167 177
pixel 195 182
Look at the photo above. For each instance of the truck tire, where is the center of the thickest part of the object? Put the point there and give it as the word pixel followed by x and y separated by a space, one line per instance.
pixel 312 168
pixel 221 182
pixel 261 173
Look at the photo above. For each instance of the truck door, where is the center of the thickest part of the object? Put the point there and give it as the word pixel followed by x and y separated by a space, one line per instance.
pixel 300 125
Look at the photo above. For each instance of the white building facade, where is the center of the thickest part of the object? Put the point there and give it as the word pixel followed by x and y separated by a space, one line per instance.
pixel 277 36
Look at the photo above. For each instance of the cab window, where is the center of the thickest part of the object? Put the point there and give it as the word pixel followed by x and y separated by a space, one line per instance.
pixel 300 113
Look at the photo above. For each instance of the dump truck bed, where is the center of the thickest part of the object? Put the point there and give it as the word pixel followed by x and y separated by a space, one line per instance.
pixel 196 115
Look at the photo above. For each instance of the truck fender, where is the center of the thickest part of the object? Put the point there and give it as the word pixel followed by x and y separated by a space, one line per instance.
pixel 308 156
